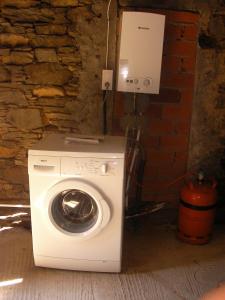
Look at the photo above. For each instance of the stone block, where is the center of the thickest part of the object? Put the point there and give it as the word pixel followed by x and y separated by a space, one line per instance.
pixel 25 119
pixel 47 73
pixel 13 40
pixel 65 50
pixel 71 90
pixel 48 92
pixel 28 15
pixel 16 175
pixel 64 3
pixel 46 55
pixel 58 29
pixel 17 73
pixel 73 106
pixel 85 2
pixel 4 51
pixel 6 152
pixel 12 96
pixel 19 3
pixel 18 58
pixel 51 41
pixel 6 27
pixel 70 58
pixel 4 74
pixel 82 12
pixel 52 102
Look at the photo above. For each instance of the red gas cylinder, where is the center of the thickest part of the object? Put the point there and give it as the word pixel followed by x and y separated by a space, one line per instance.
pixel 197 211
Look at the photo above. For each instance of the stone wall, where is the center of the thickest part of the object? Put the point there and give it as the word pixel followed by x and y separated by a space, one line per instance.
pixel 51 53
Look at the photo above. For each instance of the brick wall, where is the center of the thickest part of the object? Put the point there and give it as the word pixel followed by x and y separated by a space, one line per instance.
pixel 167 116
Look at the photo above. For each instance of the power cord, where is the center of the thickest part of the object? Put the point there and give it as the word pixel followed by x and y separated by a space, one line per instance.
pixel 104 110
pixel 107 36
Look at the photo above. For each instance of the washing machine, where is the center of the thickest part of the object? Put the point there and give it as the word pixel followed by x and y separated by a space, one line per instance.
pixel 77 202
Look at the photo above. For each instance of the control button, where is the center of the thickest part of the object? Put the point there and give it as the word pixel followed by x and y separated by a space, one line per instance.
pixel 104 169
pixel 146 82
pixel 136 81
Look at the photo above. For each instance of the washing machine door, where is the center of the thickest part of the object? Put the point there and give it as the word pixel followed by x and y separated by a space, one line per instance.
pixel 77 208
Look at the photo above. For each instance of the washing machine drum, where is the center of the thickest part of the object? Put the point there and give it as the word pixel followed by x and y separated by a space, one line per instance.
pixel 75 211
pixel 77 207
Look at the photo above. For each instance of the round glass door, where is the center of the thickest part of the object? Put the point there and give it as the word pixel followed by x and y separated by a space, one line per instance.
pixel 74 211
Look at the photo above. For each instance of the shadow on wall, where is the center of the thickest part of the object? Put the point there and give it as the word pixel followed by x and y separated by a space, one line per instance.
pixel 213 166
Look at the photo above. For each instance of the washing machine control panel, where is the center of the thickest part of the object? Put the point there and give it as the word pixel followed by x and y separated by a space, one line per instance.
pixel 89 166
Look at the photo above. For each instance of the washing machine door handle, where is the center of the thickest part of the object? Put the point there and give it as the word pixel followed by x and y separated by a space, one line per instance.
pixel 106 215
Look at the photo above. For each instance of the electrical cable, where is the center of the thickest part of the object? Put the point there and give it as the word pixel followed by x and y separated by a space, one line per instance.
pixel 15 205
pixel 104 106
pixel 107 36
pixel 104 110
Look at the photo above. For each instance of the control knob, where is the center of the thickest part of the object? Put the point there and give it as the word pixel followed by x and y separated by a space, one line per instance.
pixel 104 169
pixel 146 82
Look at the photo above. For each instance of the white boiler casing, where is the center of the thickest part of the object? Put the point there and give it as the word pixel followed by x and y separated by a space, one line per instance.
pixel 140 52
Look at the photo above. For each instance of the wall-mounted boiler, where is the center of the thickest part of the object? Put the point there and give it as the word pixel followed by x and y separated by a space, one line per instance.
pixel 140 52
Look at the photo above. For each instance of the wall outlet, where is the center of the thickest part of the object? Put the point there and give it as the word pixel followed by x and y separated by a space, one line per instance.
pixel 107 79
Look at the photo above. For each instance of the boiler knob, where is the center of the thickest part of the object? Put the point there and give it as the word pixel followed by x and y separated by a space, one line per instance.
pixel 136 81
pixel 146 82
pixel 104 169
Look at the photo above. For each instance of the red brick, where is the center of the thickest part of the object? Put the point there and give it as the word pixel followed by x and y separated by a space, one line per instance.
pixel 176 16
pixel 169 197
pixel 116 129
pixel 160 127
pixel 154 186
pixel 154 110
pixel 181 80
pixel 176 142
pixel 181 112
pixel 171 64
pixel 182 127
pixel 166 95
pixel 146 196
pixel 187 96
pixel 150 141
pixel 188 64
pixel 180 48
pixel 191 32
pixel 176 112
pixel 163 182
pixel 160 187
pixel 177 64
pixel 172 174
pixel 150 172
pixel 187 32
pixel 182 17
pixel 118 109
pixel 159 158
pixel 167 162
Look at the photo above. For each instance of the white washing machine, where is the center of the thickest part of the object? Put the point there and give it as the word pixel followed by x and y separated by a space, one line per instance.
pixel 77 199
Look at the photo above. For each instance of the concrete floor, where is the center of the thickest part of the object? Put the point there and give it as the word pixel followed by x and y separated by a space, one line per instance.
pixel 155 266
